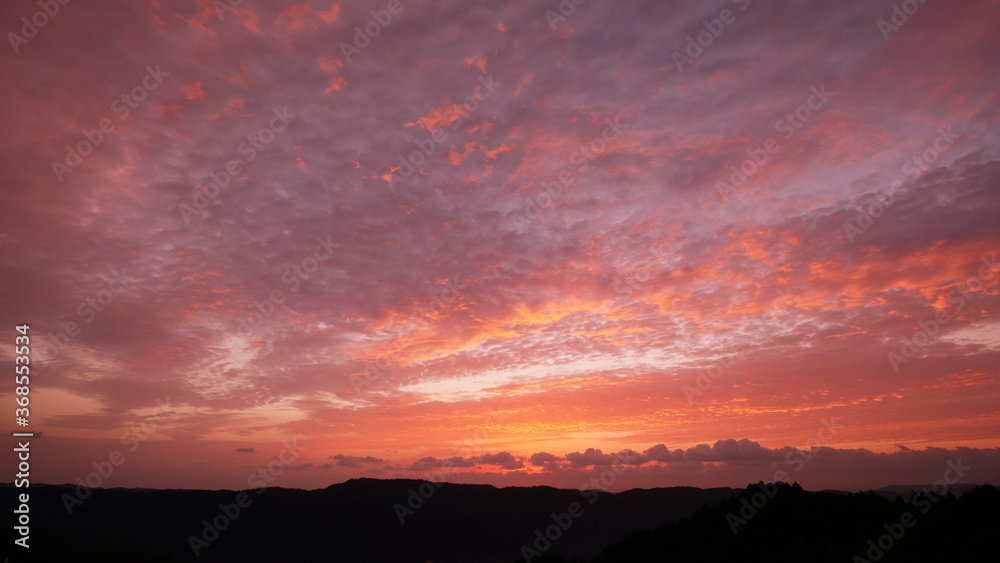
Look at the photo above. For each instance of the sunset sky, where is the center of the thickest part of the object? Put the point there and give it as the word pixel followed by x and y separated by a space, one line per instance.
pixel 505 239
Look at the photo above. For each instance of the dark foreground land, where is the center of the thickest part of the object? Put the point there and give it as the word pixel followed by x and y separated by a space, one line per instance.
pixel 360 520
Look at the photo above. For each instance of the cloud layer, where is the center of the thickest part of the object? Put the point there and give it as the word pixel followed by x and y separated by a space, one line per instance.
pixel 484 234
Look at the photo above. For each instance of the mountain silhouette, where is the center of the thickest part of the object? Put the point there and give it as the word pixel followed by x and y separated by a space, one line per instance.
pixel 416 521
pixel 797 525
pixel 353 521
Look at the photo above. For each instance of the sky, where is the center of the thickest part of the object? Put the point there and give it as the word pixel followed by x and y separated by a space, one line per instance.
pixel 515 243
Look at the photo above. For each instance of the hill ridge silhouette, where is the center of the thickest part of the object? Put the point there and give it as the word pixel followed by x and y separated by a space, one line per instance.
pixel 357 520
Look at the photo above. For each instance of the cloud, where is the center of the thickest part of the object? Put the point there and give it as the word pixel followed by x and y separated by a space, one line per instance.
pixel 660 452
pixel 504 459
pixel 354 461
pixel 459 461
pixel 589 458
pixel 744 461
pixel 728 450
pixel 547 461
pixel 426 463
pixel 303 467
pixel 542 458
pixel 626 287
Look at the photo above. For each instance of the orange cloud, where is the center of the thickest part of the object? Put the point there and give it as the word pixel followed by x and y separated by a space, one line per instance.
pixel 237 108
pixel 455 158
pixel 302 17
pixel 436 118
pixel 330 15
pixel 332 67
pixel 194 91
pixel 504 147
pixel 476 62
